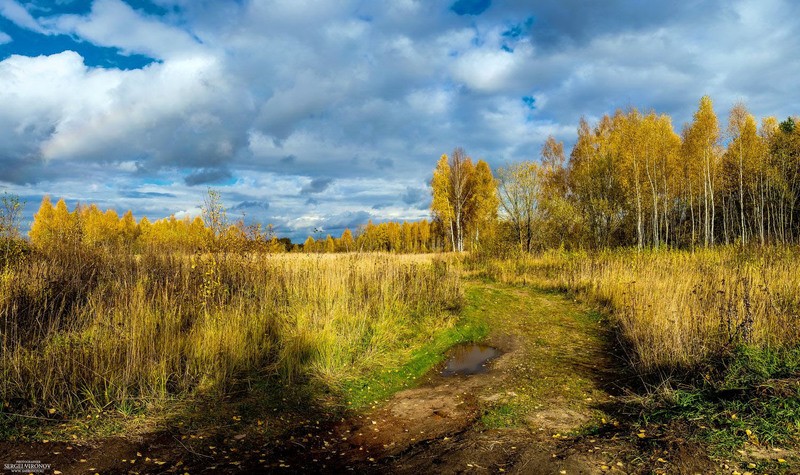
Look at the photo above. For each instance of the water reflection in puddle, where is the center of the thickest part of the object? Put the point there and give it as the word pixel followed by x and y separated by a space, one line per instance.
pixel 470 359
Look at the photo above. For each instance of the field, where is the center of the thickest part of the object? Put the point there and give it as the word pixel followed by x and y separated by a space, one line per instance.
pixel 245 350
pixel 93 331
pixel 677 309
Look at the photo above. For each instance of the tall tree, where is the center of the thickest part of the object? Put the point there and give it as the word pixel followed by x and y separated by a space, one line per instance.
pixel 558 216
pixel 744 153
pixel 519 188
pixel 701 143
pixel 463 196
pixel 482 209
pixel 310 245
pixel 346 241
pixel 10 212
pixel 42 230
pixel 214 214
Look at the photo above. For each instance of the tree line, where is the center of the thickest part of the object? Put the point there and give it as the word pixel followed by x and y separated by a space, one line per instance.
pixel 631 180
pixel 391 236
pixel 56 228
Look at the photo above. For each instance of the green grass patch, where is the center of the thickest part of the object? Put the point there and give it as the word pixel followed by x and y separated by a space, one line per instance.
pixel 755 398
pixel 503 416
pixel 379 385
pixel 752 366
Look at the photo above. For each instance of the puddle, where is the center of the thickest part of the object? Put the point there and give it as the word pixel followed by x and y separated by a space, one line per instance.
pixel 470 359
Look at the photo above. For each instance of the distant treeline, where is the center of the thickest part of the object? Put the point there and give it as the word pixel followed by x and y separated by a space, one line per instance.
pixel 55 228
pixel 405 237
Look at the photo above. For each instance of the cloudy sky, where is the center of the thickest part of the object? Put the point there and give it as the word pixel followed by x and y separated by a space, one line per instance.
pixel 323 114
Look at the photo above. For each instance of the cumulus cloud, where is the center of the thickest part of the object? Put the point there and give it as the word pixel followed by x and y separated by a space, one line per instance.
pixel 207 175
pixel 417 197
pixel 145 194
pixel 252 204
pixel 115 23
pixel 348 219
pixel 316 185
pixel 341 108
pixel 20 16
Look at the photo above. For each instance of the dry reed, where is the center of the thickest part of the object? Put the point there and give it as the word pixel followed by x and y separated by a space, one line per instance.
pixel 94 329
pixel 678 309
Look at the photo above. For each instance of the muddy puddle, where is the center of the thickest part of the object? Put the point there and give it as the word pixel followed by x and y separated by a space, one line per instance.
pixel 470 359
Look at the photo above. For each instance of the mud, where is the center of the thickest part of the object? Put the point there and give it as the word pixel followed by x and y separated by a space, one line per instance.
pixel 470 359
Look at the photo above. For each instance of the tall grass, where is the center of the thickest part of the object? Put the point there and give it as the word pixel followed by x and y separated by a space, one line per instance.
pixel 678 309
pixel 95 329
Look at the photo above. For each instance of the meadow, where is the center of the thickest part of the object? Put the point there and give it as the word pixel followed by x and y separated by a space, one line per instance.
pixel 142 342
pixel 94 329
pixel 676 310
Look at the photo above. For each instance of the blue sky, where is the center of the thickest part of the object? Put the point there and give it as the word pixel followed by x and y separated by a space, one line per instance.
pixel 323 114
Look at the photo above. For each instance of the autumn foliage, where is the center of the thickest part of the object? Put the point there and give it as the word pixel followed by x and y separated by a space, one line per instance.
pixel 391 236
pixel 55 228
pixel 632 180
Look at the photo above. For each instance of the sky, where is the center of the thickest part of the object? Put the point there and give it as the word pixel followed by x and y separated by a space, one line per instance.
pixel 319 115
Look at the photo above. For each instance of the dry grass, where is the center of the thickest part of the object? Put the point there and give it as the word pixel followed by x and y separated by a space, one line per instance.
pixel 678 309
pixel 92 329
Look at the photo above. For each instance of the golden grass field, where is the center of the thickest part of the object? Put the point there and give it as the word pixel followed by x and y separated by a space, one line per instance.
pixel 99 330
pixel 677 309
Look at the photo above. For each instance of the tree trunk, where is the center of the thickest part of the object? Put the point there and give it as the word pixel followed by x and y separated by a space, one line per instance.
pixel 639 224
pixel 741 191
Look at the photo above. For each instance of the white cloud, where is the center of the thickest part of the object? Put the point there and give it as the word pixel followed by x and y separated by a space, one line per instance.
pixel 431 102
pixel 272 95
pixel 4 38
pixel 485 70
pixel 18 15
pixel 115 23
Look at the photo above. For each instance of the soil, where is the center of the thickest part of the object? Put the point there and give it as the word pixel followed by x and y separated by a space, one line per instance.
pixel 550 403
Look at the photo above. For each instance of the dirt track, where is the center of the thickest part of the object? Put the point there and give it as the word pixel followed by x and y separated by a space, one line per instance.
pixel 549 404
